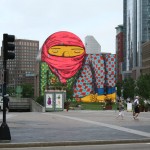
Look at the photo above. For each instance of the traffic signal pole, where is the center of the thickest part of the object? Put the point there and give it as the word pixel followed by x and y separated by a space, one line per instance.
pixel 4 92
pixel 4 129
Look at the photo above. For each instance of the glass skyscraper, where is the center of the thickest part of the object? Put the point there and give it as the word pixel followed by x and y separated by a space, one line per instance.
pixel 136 21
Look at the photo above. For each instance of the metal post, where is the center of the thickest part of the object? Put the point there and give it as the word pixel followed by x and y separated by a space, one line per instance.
pixel 116 98
pixel 122 92
pixel 4 129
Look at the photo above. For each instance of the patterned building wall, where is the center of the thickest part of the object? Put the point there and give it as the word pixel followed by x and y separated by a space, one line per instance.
pixel 110 65
pixel 98 75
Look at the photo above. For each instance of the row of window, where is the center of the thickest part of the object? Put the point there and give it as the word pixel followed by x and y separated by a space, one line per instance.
pixel 146 63
pixel 146 71
pixel 21 63
pixel 23 48
pixel 27 43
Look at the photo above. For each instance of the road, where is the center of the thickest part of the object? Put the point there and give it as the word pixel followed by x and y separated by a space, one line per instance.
pixel 137 146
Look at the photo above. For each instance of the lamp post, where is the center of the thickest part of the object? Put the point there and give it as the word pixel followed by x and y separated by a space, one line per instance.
pixel 136 88
pixel 8 47
pixel 116 98
pixel 116 92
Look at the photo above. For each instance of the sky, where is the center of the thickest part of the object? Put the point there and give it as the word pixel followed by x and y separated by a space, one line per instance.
pixel 38 19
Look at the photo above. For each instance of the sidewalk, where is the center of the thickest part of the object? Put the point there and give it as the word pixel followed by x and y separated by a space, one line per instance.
pixel 76 127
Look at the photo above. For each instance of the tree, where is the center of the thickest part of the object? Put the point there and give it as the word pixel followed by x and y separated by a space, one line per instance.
pixel 143 86
pixel 119 85
pixel 27 90
pixel 128 88
pixel 11 91
pixel 40 100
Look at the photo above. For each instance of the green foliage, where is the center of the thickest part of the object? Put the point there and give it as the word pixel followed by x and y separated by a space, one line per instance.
pixel 27 90
pixel 40 100
pixel 131 87
pixel 11 91
pixel 141 102
pixel 128 88
pixel 143 86
pixel 69 93
pixel 108 102
pixel 91 106
pixel 119 86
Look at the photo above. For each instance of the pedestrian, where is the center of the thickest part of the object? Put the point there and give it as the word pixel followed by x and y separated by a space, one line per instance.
pixel 121 109
pixel 136 107
pixel 6 98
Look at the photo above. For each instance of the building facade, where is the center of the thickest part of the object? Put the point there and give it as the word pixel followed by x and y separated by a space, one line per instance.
pixel 119 52
pixel 22 68
pixel 145 69
pixel 136 22
pixel 91 45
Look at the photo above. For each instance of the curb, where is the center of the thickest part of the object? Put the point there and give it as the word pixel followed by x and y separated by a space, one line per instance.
pixel 71 143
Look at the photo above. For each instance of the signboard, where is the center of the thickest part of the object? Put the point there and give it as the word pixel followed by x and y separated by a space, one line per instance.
pixel 49 101
pixel 59 100
pixel 54 100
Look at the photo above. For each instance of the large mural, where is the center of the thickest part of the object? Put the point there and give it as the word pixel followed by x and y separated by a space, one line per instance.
pixel 97 78
pixel 64 53
pixel 64 60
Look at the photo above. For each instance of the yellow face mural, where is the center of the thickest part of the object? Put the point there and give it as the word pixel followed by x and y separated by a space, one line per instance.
pixel 66 51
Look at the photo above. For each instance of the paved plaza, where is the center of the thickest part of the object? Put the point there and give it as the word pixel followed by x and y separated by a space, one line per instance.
pixel 75 127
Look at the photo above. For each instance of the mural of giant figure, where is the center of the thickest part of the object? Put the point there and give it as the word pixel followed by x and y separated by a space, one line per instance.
pixel 97 79
pixel 64 53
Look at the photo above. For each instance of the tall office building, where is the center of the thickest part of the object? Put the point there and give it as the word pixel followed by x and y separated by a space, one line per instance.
pixel 91 45
pixel 119 52
pixel 145 58
pixel 136 21
pixel 22 68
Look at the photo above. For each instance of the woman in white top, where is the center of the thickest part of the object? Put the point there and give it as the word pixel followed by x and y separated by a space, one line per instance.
pixel 136 107
pixel 121 109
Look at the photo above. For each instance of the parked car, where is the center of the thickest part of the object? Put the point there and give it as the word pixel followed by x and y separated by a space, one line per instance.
pixel 1 101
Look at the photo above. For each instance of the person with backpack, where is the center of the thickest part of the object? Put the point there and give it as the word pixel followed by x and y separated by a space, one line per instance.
pixel 136 107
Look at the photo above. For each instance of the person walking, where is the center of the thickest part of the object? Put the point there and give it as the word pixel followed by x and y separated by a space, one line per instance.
pixel 136 107
pixel 121 109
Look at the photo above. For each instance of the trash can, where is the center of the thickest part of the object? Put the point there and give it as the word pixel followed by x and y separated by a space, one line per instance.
pixel 129 106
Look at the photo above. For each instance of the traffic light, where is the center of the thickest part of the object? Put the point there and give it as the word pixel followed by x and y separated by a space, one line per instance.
pixel 8 46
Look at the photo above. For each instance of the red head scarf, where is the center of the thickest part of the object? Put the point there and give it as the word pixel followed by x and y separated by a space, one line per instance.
pixel 63 67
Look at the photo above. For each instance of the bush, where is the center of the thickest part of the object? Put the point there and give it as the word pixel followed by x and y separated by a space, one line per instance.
pixel 40 100
pixel 108 102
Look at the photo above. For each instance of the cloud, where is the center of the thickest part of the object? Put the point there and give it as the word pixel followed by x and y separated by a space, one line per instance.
pixel 37 19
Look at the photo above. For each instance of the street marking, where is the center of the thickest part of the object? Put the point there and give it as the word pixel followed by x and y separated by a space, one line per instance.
pixel 106 125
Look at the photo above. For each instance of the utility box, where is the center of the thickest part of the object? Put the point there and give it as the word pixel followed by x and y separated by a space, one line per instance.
pixel 54 100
